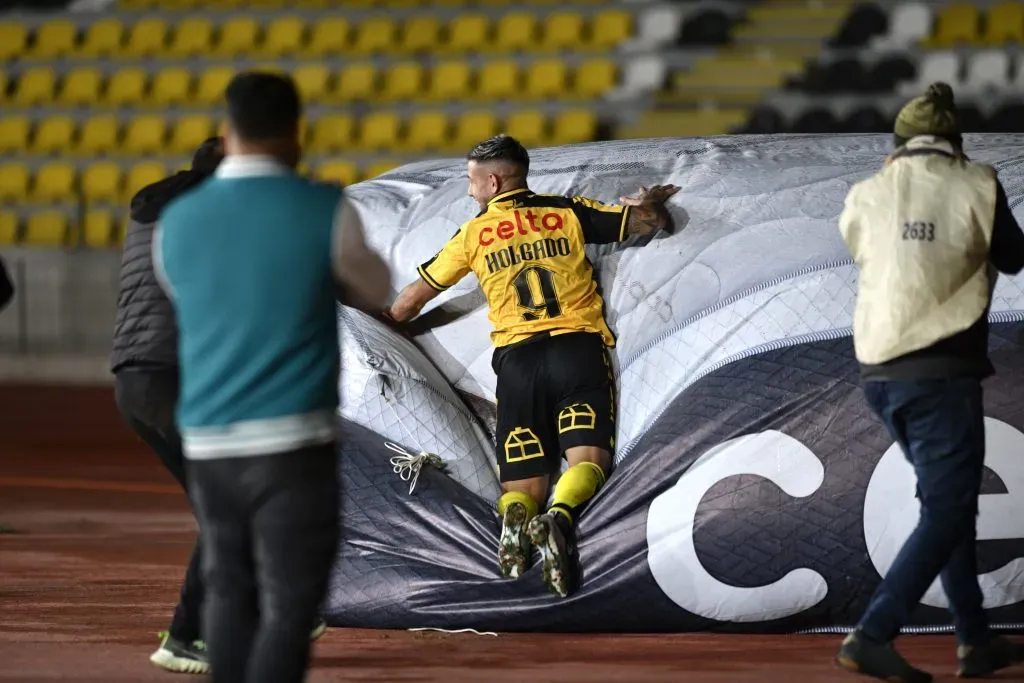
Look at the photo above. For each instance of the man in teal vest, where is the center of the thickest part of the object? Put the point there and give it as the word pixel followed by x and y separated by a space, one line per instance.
pixel 251 261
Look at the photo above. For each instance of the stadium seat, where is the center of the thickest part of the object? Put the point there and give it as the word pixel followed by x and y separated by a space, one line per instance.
pixel 471 128
pixel 932 66
pixel 3 86
pixel 515 32
pixel 126 87
pixel 146 38
pixel 909 23
pixel 101 182
pixel 887 72
pixel 467 33
pixel 374 36
pixel 865 120
pixel 54 39
pixel 13 40
pixel 356 82
pixel 103 38
pixel 192 37
pixel 817 120
pixel 237 36
pixel 379 130
pixel 145 135
pixel 380 168
pixel 528 126
pixel 428 131
pixel 97 228
pixel 313 81
pixel 8 227
pixel 343 172
pixel 498 80
pixel 212 83
pixel 35 86
pixel 609 29
pixel 283 36
pixel 449 81
pixel 332 133
pixel 573 126
pixel 957 24
pixel 98 135
pixel 420 35
pixel 327 37
pixel 1004 23
pixel 14 132
pixel 189 132
pixel 81 87
pixel 54 182
pixel 141 175
pixel 861 25
pixel 54 135
pixel 987 70
pixel 171 87
pixel 563 31
pixel 594 78
pixel 545 78
pixel 14 179
pixel 47 228
pixel 402 81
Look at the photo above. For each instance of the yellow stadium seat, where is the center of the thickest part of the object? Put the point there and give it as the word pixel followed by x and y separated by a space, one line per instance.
pixel 374 36
pixel 312 4
pixel 102 39
pixel 450 81
pixel 54 182
pixel 225 4
pixel 356 82
pixel 177 5
pixel 101 182
pixel 145 38
pixel 192 37
pixel 572 126
pixel 3 85
pixel 343 172
pixel 495 3
pixel 402 82
pixel 379 130
pixel 379 168
pixel 472 127
pixel 141 175
pixel 428 130
pixel 515 32
pixel 332 133
pixel 956 24
pixel 54 38
pixel 498 80
pixel 609 29
pixel 419 35
pixel 81 87
pixel 189 132
pixel 47 229
pixel 8 227
pixel 467 33
pixel 328 37
pixel 528 126
pixel 399 4
pixel 1004 23
pixel 145 134
pixel 545 78
pixel 171 87
pixel 35 85
pixel 126 87
pixel 136 4
pixel 594 78
pixel 283 36
pixel 13 40
pixel 563 31
pixel 54 135
pixel 14 132
pixel 313 81
pixel 212 83
pixel 97 228
pixel 237 36
pixel 13 182
pixel 98 135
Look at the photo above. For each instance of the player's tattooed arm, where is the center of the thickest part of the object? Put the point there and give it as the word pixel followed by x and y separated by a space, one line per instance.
pixel 648 213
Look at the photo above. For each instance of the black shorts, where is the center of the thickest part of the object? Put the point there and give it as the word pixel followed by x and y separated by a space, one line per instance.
pixel 553 394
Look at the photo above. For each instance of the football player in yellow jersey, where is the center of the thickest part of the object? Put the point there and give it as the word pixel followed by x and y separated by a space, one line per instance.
pixel 555 390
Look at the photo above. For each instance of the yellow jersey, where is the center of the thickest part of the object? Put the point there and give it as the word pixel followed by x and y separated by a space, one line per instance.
pixel 527 251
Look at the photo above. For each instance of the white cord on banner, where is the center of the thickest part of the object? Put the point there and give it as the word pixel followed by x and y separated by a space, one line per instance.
pixel 408 466
pixel 460 630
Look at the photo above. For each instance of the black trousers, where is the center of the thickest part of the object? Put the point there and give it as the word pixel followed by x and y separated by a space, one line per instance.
pixel 146 398
pixel 270 534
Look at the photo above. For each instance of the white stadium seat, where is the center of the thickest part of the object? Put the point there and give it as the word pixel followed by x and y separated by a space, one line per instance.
pixel 641 75
pixel 909 22
pixel 987 70
pixel 657 26
pixel 934 66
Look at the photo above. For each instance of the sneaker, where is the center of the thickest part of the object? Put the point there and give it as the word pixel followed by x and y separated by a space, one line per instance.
pixel 862 655
pixel 183 658
pixel 547 533
pixel 514 544
pixel 981 660
pixel 319 629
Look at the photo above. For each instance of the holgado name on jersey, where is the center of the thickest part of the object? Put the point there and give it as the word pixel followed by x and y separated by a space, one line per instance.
pixel 530 251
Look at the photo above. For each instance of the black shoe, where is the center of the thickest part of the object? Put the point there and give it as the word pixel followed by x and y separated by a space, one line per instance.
pixel 999 653
pixel 862 655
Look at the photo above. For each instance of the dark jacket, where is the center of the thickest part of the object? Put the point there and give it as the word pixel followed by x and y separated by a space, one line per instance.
pixel 6 287
pixel 146 333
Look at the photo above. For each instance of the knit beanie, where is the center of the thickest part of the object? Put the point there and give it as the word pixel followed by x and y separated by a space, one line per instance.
pixel 934 113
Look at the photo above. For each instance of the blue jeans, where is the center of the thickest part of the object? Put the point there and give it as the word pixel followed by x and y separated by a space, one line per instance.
pixel 940 426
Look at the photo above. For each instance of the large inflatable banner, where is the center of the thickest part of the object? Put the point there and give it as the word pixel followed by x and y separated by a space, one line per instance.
pixel 753 491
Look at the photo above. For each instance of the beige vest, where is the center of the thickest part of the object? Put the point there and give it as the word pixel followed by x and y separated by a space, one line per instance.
pixel 919 231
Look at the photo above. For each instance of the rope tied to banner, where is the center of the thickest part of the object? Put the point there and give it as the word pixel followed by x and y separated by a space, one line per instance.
pixel 408 466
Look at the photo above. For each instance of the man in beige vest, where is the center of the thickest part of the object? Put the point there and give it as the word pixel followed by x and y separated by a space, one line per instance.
pixel 925 232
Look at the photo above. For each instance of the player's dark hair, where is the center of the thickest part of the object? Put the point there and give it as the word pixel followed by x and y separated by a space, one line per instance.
pixel 501 148
pixel 209 155
pixel 263 106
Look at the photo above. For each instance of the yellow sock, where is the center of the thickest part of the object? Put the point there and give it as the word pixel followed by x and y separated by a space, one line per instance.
pixel 526 499
pixel 577 485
